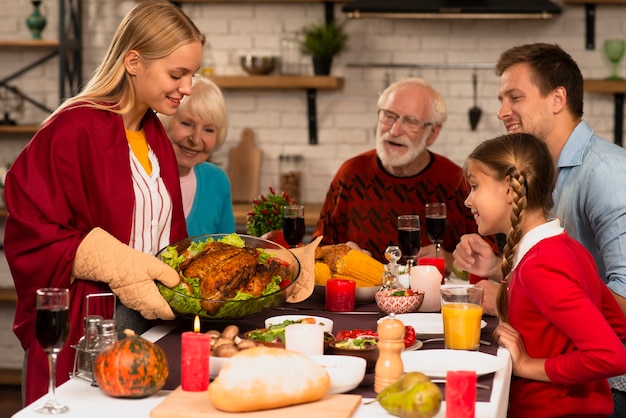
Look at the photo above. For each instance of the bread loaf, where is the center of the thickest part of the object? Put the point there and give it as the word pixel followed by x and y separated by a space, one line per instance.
pixel 265 378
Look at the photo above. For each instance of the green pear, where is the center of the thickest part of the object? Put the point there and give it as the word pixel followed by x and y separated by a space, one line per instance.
pixel 411 396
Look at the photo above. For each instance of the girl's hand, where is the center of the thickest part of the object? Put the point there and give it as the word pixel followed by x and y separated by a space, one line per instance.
pixel 523 365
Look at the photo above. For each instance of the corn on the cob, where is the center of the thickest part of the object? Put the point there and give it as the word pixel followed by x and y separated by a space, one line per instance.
pixel 322 273
pixel 362 268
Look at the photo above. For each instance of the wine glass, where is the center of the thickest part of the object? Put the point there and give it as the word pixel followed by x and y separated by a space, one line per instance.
pixel 436 224
pixel 409 237
pixel 614 51
pixel 293 224
pixel 52 327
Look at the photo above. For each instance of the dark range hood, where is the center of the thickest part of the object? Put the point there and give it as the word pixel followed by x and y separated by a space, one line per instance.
pixel 452 9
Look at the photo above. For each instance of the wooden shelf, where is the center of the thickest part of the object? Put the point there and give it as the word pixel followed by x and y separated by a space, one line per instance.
pixel 18 129
pixel 594 1
pixel 605 86
pixel 263 1
pixel 278 82
pixel 28 43
pixel 8 295
pixel 618 89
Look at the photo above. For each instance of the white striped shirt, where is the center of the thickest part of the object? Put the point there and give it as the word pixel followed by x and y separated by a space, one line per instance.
pixel 152 220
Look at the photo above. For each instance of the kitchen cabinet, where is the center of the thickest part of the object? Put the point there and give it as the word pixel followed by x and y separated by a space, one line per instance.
pixel 590 17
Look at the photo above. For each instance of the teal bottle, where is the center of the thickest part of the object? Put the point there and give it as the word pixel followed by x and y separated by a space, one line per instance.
pixel 36 22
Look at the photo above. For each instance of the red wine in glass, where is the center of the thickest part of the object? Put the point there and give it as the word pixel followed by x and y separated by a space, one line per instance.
pixel 436 224
pixel 409 237
pixel 52 328
pixel 293 224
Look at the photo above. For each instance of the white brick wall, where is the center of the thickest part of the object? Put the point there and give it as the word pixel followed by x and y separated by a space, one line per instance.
pixel 346 118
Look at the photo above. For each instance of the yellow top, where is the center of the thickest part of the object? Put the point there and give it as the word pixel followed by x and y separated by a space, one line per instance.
pixel 139 145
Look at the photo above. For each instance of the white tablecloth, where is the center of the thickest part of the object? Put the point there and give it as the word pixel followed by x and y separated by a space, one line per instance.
pixel 87 401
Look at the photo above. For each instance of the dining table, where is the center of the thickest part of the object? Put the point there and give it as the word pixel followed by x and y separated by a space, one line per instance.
pixel 86 399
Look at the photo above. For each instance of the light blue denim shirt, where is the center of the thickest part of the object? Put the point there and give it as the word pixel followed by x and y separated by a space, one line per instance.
pixel 590 200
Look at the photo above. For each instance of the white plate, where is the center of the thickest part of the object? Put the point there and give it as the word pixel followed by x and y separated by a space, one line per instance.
pixel 436 363
pixel 416 346
pixel 426 323
pixel 326 323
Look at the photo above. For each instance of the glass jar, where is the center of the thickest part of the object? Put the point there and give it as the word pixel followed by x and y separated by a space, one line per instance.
pixel 291 176
pixel 107 334
pixel 290 55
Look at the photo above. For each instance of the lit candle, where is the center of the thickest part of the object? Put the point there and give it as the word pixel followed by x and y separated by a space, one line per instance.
pixel 460 394
pixel 195 354
pixel 340 295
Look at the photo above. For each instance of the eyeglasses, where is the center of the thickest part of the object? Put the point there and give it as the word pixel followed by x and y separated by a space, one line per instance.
pixel 409 123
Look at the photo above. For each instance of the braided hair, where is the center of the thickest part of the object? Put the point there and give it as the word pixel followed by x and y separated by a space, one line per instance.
pixel 525 162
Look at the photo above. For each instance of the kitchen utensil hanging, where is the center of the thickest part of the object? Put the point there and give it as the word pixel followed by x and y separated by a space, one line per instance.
pixel 475 112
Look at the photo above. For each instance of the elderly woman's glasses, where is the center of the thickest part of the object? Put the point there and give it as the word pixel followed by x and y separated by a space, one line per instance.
pixel 409 123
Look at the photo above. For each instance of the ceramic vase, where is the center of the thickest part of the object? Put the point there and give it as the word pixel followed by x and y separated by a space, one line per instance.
pixel 36 22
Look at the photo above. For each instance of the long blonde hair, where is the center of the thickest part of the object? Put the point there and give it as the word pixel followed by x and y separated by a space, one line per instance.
pixel 155 29
pixel 525 161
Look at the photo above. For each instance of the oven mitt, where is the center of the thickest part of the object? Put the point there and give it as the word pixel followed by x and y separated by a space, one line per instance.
pixel 303 287
pixel 130 273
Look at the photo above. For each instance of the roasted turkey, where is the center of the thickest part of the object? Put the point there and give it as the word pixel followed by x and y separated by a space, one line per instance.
pixel 223 270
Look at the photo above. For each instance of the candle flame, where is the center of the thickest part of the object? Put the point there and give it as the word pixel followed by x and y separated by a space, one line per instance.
pixel 196 324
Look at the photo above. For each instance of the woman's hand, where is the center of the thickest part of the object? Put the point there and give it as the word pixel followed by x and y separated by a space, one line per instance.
pixel 523 365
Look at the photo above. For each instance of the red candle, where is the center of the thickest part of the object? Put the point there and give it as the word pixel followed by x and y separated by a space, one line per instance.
pixel 340 294
pixel 438 262
pixel 473 279
pixel 195 354
pixel 460 394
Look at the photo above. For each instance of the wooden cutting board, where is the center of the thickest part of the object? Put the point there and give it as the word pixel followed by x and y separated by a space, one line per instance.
pixel 182 404
pixel 244 168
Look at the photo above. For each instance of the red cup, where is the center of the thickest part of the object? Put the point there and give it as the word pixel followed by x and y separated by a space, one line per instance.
pixel 473 279
pixel 340 295
pixel 438 262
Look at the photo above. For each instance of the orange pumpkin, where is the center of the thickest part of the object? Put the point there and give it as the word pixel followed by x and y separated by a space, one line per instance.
pixel 131 368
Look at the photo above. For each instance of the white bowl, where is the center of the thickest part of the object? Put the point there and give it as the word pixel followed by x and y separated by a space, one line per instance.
pixel 346 372
pixel 326 323
pixel 216 364
pixel 366 294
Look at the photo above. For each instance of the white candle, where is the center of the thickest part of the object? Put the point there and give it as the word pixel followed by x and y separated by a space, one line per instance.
pixel 307 339
pixel 428 279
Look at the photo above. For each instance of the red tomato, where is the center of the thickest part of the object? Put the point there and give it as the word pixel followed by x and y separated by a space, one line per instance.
pixel 285 283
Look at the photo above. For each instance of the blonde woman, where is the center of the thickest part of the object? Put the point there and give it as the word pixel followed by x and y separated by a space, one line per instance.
pixel 95 193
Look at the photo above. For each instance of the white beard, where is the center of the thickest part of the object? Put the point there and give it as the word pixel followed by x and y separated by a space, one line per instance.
pixel 403 156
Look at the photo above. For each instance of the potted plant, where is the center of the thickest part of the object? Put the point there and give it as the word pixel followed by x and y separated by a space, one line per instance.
pixel 322 41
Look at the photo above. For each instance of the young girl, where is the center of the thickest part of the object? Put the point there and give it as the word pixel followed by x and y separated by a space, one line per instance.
pixel 559 321
pixel 95 193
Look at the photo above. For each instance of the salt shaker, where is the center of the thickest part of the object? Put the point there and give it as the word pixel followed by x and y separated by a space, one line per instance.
pixel 389 366
pixel 107 334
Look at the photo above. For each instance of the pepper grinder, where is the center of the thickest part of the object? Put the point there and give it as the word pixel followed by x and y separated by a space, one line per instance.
pixel 389 366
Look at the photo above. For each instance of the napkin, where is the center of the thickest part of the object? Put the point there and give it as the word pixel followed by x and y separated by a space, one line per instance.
pixel 303 287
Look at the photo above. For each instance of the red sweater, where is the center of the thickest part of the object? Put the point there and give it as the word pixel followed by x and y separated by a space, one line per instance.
pixel 364 201
pixel 566 314
pixel 72 176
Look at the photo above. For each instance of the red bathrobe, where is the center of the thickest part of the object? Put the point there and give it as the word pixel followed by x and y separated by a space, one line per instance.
pixel 72 176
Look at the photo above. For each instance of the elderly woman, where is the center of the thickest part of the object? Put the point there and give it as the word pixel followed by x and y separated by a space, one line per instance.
pixel 195 130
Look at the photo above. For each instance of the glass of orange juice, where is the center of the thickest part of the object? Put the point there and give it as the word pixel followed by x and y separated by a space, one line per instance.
pixel 461 309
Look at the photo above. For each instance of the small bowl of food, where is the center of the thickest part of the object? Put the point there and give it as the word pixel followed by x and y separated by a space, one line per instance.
pixel 363 346
pixel 258 64
pixel 399 301
pixel 346 372
pixel 284 320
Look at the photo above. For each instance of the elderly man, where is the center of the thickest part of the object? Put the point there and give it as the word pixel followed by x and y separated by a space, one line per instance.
pixel 399 177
